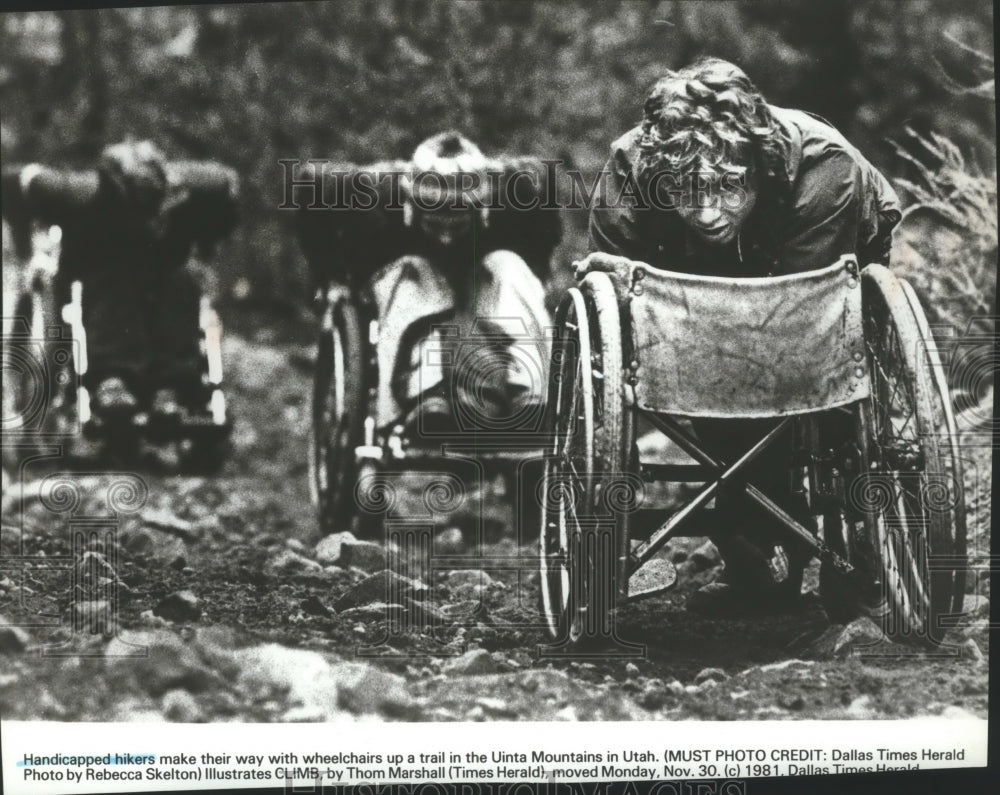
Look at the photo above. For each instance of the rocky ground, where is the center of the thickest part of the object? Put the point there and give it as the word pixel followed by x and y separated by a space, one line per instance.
pixel 221 602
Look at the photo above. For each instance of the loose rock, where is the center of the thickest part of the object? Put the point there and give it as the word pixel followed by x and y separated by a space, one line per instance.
pixel 314 607
pixel 157 661
pixel 861 708
pixel 93 616
pixel 94 567
pixel 328 550
pixel 976 606
pixel 971 651
pixel 304 676
pixel 705 557
pixel 13 640
pixel 465 609
pixel 980 625
pixel 449 542
pixel 169 523
pixel 797 704
pixel 383 586
pixel 468 577
pixel 154 545
pixel 710 674
pixel 180 706
pixel 179 606
pixel 425 614
pixel 147 619
pixel 365 555
pixel 365 689
pixel 477 661
pixel 289 562
pixel 654 695
pixel 840 641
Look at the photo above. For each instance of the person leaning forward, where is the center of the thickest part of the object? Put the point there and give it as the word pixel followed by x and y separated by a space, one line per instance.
pixel 715 181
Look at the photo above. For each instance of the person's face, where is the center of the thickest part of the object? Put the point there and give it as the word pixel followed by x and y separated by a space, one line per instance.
pixel 445 227
pixel 718 202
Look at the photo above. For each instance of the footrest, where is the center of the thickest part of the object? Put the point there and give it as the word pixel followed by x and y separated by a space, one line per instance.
pixel 653 577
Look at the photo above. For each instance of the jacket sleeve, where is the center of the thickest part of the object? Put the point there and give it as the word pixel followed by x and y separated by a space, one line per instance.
pixel 825 219
pixel 354 226
pixel 614 227
pixel 54 196
pixel 208 208
pixel 35 194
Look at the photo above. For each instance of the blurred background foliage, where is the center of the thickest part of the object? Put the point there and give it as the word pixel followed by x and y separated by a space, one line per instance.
pixel 362 80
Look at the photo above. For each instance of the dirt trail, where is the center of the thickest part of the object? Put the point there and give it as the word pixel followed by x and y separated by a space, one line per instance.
pixel 246 619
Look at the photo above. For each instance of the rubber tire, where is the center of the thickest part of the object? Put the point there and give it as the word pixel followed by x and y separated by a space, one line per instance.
pixel 334 435
pixel 920 594
pixel 577 596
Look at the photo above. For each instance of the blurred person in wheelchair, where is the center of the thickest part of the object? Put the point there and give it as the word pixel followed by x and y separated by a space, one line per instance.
pixel 459 241
pixel 715 181
pixel 128 231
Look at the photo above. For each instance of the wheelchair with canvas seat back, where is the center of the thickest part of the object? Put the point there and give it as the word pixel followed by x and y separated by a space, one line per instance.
pixel 359 440
pixel 398 324
pixel 47 396
pixel 840 365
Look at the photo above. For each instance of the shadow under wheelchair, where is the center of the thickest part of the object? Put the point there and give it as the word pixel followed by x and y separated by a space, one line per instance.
pixel 685 642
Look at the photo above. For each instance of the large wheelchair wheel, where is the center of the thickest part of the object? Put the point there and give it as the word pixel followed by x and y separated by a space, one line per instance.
pixel 913 491
pixel 584 420
pixel 338 410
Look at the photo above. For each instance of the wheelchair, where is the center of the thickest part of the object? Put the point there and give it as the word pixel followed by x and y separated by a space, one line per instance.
pixel 357 459
pixel 839 347
pixel 45 360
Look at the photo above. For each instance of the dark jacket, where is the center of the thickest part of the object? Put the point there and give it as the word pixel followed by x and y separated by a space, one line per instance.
pixel 341 243
pixel 199 209
pixel 828 202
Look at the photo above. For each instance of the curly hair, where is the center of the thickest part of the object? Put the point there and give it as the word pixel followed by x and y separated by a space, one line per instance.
pixel 706 115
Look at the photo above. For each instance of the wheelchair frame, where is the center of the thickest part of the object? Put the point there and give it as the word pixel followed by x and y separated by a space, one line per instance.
pixel 40 315
pixel 348 455
pixel 900 560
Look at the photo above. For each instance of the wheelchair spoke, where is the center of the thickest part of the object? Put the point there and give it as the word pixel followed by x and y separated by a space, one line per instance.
pixel 569 471
pixel 892 395
pixel 908 493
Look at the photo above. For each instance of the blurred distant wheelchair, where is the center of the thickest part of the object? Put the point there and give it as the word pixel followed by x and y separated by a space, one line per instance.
pixel 358 437
pixel 399 338
pixel 46 400
pixel 836 362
